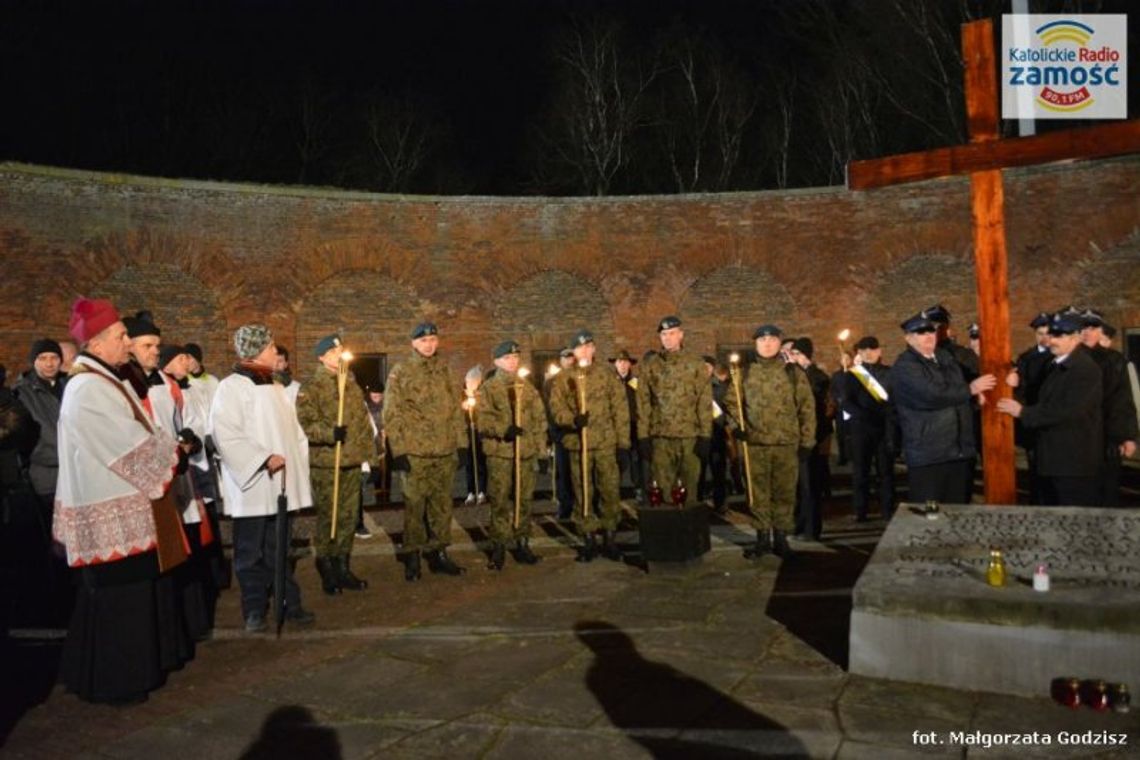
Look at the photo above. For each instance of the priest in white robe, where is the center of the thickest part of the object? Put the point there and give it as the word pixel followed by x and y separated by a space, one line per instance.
pixel 113 462
pixel 261 445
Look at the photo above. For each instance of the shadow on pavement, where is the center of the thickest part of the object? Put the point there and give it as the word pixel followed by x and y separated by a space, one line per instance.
pixel 812 599
pixel 671 714
pixel 293 732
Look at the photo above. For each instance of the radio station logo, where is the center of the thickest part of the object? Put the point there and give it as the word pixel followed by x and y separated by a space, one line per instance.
pixel 1065 67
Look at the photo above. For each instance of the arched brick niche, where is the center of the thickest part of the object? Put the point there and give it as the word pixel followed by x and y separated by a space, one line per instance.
pixel 727 304
pixel 372 312
pixel 543 311
pixel 184 307
pixel 917 282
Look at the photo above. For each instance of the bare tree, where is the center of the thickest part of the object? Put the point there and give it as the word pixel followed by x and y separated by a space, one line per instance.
pixel 702 109
pixel 311 127
pixel 399 139
pixel 598 106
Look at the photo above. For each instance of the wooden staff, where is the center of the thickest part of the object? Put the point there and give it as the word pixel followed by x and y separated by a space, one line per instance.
pixel 469 405
pixel 844 334
pixel 584 439
pixel 341 379
pixel 734 370
pixel 518 445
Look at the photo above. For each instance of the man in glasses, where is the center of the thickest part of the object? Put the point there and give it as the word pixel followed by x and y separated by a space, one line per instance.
pixel 933 401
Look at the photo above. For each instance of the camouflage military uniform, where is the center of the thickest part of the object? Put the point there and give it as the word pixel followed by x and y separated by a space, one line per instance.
pixel 497 404
pixel 608 430
pixel 424 422
pixel 674 405
pixel 779 413
pixel 316 411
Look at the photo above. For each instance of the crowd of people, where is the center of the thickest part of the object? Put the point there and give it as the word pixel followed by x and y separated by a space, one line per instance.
pixel 127 452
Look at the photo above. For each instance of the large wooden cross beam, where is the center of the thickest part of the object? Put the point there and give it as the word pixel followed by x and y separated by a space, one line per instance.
pixel 983 159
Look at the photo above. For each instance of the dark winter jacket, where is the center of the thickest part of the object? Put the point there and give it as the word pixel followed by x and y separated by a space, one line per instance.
pixel 42 402
pixel 932 400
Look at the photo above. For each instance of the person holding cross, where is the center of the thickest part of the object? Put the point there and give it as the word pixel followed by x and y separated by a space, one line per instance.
pixel 933 402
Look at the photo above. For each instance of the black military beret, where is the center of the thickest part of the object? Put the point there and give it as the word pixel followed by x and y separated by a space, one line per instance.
pixel 326 344
pixel 766 330
pixel 1041 320
pixel 505 348
pixel 867 341
pixel 804 346
pixel 918 323
pixel 196 351
pixel 581 338
pixel 668 323
pixel 424 329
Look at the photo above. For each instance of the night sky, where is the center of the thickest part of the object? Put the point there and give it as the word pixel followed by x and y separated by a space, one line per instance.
pixel 215 89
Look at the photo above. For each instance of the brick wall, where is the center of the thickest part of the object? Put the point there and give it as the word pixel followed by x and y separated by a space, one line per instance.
pixel 206 257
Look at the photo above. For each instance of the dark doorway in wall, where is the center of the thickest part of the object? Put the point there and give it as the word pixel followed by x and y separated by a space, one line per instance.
pixel 370 370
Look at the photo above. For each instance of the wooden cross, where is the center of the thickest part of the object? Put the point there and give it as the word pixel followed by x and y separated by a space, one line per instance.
pixel 983 159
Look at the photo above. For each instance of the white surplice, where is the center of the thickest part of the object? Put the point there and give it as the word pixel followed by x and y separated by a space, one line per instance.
pixel 110 467
pixel 249 422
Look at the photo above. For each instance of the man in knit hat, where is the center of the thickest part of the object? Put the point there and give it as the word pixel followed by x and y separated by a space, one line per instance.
pixel 317 405
pixel 125 630
pixel 264 453
pixel 40 390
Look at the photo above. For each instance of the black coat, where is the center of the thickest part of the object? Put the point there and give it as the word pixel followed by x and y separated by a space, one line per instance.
pixel 932 400
pixel 1118 409
pixel 1031 370
pixel 865 410
pixel 1067 418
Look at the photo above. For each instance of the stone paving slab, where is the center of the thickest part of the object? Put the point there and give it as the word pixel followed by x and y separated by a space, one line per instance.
pixel 562 660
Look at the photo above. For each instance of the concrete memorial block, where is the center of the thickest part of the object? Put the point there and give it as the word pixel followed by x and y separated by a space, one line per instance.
pixel 673 535
pixel 923 611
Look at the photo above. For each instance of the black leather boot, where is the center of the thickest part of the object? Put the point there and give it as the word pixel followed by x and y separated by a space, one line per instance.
pixel 439 562
pixel 780 545
pixel 587 550
pixel 498 557
pixel 412 566
pixel 762 546
pixel 610 548
pixel 330 579
pixel 348 579
pixel 524 555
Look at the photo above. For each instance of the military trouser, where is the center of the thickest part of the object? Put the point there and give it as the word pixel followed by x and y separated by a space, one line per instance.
pixel 347 510
pixel 500 482
pixel 673 459
pixel 427 502
pixel 605 483
pixel 775 471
